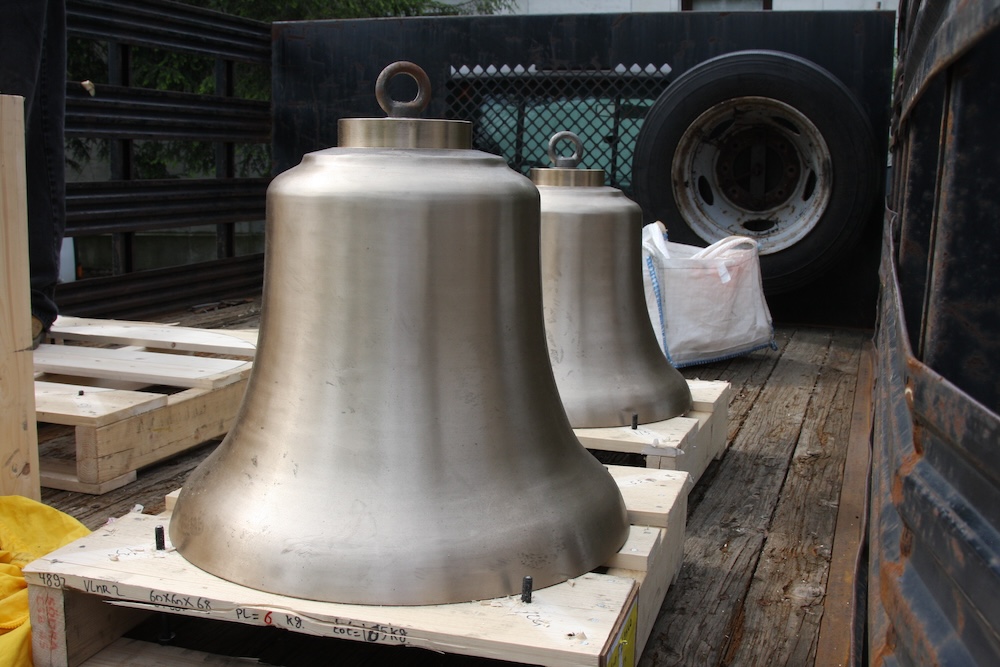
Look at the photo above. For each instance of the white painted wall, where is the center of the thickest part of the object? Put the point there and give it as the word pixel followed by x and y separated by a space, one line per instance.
pixel 616 6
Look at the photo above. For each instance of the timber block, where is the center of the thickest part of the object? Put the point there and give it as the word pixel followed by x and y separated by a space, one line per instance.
pixel 86 595
pixel 710 405
pixel 134 393
pixel 687 443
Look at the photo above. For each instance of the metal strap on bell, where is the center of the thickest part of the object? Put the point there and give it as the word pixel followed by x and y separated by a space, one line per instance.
pixel 605 357
pixel 401 440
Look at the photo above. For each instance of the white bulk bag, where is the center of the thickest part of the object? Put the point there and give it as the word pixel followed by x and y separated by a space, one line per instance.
pixel 705 304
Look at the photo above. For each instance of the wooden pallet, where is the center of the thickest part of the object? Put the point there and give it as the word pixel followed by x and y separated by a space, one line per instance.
pixel 687 443
pixel 86 595
pixel 134 393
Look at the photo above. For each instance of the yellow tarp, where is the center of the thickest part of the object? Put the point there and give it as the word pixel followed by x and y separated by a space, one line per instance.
pixel 28 530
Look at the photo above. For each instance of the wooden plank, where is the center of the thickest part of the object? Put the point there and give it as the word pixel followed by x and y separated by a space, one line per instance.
pixel 68 627
pixel 687 443
pixel 754 380
pixel 702 617
pixel 649 494
pixel 140 366
pixel 835 648
pixel 700 451
pixel 747 377
pixel 246 335
pixel 646 494
pixel 85 382
pixel 71 404
pixel 711 398
pixel 787 589
pixel 191 417
pixel 58 474
pixel 707 394
pixel 653 552
pixel 642 541
pixel 170 500
pixel 565 624
pixel 152 335
pixel 148 489
pixel 106 457
pixel 666 438
pixel 662 551
pixel 18 437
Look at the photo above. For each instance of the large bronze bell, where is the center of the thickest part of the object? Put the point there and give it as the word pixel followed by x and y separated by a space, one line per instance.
pixel 401 440
pixel 607 363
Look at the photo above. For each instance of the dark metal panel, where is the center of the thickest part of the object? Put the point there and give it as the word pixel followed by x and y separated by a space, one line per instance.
pixel 118 112
pixel 935 575
pixel 917 193
pixel 170 25
pixel 149 292
pixel 935 538
pixel 115 206
pixel 940 33
pixel 326 70
pixel 959 339
pixel 120 115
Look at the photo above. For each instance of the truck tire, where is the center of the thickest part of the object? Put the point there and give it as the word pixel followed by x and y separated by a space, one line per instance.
pixel 762 144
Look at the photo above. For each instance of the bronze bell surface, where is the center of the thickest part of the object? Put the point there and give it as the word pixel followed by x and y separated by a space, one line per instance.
pixel 401 440
pixel 607 363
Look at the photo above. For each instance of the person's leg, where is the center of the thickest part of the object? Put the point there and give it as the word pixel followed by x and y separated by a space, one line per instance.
pixel 46 162
pixel 33 65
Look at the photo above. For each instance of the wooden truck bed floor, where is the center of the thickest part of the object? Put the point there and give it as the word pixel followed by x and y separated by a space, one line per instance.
pixel 761 564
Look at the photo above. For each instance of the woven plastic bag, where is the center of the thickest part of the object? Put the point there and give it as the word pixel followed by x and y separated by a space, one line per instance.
pixel 705 304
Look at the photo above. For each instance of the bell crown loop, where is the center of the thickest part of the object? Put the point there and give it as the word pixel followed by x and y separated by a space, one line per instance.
pixel 404 127
pixel 565 172
pixel 395 108
pixel 565 161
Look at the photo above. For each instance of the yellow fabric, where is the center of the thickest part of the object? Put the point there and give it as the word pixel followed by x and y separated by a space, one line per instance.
pixel 28 530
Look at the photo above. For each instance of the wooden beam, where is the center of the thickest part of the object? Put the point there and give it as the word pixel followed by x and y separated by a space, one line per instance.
pixel 154 336
pixel 172 370
pixel 766 520
pixel 836 637
pixel 18 433
pixel 788 580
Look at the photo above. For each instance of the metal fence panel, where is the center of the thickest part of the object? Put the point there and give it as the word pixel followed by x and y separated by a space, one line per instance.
pixel 115 116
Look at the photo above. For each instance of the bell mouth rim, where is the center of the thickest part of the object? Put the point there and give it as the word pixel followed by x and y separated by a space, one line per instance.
pixel 404 133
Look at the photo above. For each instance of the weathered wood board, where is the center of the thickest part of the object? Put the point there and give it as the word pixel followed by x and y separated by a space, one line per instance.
pixel 18 438
pixel 752 585
pixel 687 443
pixel 590 620
pixel 129 406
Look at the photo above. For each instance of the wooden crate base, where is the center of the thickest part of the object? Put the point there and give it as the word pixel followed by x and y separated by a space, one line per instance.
pixel 687 443
pixel 135 405
pixel 87 594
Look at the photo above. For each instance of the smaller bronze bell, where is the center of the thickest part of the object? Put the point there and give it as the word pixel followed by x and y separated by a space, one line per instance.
pixel 607 363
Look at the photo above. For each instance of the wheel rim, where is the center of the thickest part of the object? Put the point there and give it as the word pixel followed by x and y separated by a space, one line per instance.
pixel 752 166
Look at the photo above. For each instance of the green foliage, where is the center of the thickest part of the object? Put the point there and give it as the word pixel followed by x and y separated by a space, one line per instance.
pixel 298 10
pixel 166 70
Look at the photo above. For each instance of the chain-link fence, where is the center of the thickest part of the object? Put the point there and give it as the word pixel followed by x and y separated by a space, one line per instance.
pixel 516 110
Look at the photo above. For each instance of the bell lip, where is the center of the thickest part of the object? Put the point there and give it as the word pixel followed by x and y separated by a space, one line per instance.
pixel 566 177
pixel 448 585
pixel 403 133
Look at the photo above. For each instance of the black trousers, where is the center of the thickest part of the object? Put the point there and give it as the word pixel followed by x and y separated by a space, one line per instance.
pixel 33 65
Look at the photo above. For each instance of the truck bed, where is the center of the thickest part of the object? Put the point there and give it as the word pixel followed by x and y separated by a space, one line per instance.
pixel 761 563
